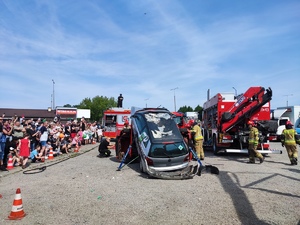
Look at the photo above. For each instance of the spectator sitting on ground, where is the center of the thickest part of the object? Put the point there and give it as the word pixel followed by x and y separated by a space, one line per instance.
pixel 75 141
pixel 51 145
pixel 52 141
pixel 35 155
pixel 65 145
pixel 85 137
pixel 15 156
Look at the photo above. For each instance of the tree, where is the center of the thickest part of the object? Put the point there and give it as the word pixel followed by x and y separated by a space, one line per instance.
pixel 97 105
pixel 199 109
pixel 185 109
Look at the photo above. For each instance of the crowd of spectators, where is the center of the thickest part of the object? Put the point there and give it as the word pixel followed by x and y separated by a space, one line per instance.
pixel 43 136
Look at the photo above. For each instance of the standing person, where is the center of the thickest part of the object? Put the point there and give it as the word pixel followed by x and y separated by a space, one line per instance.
pixel 198 138
pixel 5 132
pixel 82 124
pixel 125 132
pixel 24 148
pixel 73 128
pixel 8 125
pixel 2 145
pixel 93 128
pixel 68 129
pixel 44 137
pixel 253 143
pixel 80 136
pixel 99 134
pixel 32 136
pixel 18 130
pixel 104 148
pixel 289 139
pixel 120 101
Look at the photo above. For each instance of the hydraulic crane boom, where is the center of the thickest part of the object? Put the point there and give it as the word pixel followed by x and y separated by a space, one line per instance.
pixel 225 118
pixel 247 105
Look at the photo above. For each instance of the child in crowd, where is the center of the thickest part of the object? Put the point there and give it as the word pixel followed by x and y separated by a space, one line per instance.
pixel 80 135
pixel 34 155
pixel 55 149
pixel 15 156
pixel 75 141
pixel 24 149
pixel 100 134
pixel 65 145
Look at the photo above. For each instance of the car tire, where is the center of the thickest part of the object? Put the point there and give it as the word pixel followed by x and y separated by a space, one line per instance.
pixel 142 169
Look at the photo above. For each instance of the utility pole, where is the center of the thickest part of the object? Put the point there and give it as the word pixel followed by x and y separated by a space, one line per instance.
pixel 173 89
pixel 287 99
pixel 235 96
pixel 146 101
pixel 53 95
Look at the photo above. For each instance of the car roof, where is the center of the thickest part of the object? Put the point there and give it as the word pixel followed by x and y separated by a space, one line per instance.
pixel 153 110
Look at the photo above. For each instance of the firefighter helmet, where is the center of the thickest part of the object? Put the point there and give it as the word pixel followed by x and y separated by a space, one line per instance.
pixel 250 122
pixel 191 123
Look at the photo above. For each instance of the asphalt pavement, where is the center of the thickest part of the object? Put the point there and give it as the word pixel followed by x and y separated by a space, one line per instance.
pixel 81 188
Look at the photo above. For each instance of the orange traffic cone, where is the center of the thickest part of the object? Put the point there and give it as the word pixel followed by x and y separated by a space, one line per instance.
pixel 17 211
pixel 50 155
pixel 10 164
pixel 76 149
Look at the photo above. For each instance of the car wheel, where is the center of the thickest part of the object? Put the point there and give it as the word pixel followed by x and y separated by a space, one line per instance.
pixel 142 165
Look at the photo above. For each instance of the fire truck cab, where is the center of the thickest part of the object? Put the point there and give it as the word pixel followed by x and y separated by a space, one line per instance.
pixel 113 121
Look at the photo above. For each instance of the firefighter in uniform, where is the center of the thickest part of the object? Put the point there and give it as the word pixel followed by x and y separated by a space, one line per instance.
pixel 253 143
pixel 124 140
pixel 289 139
pixel 197 138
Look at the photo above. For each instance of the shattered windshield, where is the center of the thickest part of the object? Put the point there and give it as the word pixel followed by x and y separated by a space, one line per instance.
pixel 162 126
pixel 168 150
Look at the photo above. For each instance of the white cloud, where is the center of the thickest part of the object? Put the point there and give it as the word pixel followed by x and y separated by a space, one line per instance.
pixel 100 49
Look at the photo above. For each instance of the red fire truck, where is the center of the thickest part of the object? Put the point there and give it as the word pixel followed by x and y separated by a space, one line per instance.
pixel 225 118
pixel 113 121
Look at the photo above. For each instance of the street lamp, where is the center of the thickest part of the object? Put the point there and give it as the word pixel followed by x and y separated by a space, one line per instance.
pixel 146 101
pixel 287 99
pixel 235 92
pixel 53 95
pixel 173 89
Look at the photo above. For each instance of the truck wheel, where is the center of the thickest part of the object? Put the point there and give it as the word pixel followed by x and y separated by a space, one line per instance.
pixel 215 148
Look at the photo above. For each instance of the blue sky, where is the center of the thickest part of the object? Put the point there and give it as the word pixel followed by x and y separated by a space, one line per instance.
pixel 143 49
